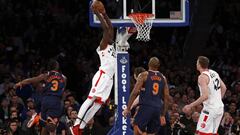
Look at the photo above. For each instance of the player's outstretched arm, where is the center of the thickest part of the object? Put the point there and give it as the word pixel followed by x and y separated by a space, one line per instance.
pixel 31 80
pixel 140 81
pixel 165 97
pixel 110 27
pixel 223 88
pixel 107 31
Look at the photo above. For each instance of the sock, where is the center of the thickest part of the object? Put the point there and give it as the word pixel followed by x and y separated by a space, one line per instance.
pixel 89 115
pixel 87 103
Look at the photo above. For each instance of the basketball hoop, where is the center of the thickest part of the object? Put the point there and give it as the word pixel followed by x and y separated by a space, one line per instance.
pixel 143 22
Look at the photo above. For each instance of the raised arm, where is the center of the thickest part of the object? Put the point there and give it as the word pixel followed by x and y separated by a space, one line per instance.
pixel 105 24
pixel 110 27
pixel 31 80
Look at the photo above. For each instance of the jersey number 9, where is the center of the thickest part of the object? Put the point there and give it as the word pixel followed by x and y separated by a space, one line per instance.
pixel 155 88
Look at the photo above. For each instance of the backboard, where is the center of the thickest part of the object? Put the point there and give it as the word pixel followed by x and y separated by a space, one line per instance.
pixel 167 12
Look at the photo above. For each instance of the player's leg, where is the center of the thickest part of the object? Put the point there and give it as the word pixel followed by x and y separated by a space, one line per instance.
pixel 142 119
pixel 83 109
pixel 89 101
pixel 53 113
pixel 103 90
pixel 44 131
pixel 90 113
pixel 154 123
pixel 75 129
pixel 217 120
pixel 205 122
pixel 86 113
pixel 138 131
pixel 43 118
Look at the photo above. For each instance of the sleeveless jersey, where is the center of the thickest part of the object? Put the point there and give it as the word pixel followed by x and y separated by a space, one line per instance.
pixel 55 84
pixel 214 99
pixel 107 60
pixel 154 86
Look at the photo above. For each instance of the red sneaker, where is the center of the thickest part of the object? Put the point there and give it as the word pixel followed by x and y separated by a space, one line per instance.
pixel 34 120
pixel 75 130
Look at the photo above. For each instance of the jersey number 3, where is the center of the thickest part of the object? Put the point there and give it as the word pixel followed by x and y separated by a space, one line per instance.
pixel 216 83
pixel 155 88
pixel 54 85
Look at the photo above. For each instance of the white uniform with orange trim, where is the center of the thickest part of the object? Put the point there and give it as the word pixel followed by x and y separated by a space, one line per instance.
pixel 103 80
pixel 213 107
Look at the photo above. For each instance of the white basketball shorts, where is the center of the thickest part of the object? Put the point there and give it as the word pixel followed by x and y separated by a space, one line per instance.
pixel 209 121
pixel 101 86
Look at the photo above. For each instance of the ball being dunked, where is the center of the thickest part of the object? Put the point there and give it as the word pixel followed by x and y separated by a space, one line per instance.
pixel 97 5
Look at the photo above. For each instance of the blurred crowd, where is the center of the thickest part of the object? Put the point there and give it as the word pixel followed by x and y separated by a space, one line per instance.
pixel 32 31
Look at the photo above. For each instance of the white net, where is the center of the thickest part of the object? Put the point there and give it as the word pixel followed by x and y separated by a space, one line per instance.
pixel 143 23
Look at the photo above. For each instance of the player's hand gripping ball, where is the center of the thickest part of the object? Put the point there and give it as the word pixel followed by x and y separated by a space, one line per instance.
pixel 97 5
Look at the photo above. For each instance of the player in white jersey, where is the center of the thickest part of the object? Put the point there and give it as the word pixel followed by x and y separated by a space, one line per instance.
pixel 212 89
pixel 102 81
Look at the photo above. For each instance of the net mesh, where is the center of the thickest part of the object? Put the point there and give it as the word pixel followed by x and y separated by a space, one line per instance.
pixel 143 23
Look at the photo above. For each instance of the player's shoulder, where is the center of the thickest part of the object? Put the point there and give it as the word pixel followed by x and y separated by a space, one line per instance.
pixel 213 71
pixel 143 75
pixel 203 75
pixel 203 78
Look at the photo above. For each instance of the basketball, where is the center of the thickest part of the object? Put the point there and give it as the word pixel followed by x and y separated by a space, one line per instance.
pixel 98 6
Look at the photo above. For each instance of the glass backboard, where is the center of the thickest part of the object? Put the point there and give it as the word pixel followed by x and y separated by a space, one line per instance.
pixel 167 12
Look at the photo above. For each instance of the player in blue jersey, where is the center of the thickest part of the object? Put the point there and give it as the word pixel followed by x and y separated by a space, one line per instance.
pixel 153 100
pixel 55 83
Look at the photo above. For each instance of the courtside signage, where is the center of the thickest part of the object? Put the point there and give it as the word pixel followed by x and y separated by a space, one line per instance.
pixel 123 91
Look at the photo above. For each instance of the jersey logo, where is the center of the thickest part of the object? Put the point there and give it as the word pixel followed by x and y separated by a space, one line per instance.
pixel 203 125
pixel 93 90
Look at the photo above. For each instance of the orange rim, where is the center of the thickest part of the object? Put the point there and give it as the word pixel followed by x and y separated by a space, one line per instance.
pixel 140 17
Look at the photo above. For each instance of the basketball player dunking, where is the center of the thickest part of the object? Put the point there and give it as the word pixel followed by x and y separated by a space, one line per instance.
pixel 102 81
pixel 212 89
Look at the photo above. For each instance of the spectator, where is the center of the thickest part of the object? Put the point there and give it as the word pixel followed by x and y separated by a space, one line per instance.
pixel 195 117
pixel 4 109
pixel 73 102
pixel 227 123
pixel 174 109
pixel 233 109
pixel 187 122
pixel 13 128
pixel 235 130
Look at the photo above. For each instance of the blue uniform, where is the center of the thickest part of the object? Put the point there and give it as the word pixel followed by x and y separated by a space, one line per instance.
pixel 150 101
pixel 52 94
